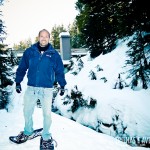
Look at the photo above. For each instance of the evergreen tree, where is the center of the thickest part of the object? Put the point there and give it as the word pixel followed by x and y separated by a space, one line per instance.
pixel 6 69
pixel 96 26
pixel 56 30
pixel 120 84
pixel 103 22
pixel 76 37
pixel 2 31
pixel 76 66
pixel 6 77
pixel 139 60
pixel 23 45
pixel 76 100
pixel 92 75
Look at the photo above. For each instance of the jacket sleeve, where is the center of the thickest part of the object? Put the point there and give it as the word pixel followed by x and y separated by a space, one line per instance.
pixel 59 72
pixel 22 68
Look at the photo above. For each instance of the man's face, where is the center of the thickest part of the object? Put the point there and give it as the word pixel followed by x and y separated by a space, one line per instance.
pixel 43 38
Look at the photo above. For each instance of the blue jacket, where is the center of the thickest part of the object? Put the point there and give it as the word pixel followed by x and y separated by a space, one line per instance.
pixel 42 69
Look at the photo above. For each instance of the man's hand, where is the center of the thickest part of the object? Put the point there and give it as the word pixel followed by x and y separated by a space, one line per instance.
pixel 62 91
pixel 18 88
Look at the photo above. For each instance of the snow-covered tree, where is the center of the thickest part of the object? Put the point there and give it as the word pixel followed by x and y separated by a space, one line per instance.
pixel 6 77
pixel 92 75
pixel 76 100
pixel 76 65
pixel 120 84
pixel 139 62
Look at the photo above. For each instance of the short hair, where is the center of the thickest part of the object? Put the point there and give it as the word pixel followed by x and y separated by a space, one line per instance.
pixel 45 31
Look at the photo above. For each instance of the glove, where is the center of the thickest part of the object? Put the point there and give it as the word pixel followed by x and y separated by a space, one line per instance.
pixel 62 91
pixel 18 88
pixel 55 84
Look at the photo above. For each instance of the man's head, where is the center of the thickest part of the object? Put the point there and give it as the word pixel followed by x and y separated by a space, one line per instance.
pixel 43 37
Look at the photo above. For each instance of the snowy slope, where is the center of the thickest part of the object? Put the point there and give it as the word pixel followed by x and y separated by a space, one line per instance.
pixel 131 106
pixel 126 109
pixel 68 134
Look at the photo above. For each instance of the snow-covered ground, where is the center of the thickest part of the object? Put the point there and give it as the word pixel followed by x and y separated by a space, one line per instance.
pixel 124 109
pixel 69 135
pixel 121 113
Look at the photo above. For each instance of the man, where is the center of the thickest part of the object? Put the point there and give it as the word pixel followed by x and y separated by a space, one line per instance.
pixel 43 64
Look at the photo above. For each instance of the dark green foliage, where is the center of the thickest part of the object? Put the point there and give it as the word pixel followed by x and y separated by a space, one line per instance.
pixel 6 77
pixel 75 105
pixel 99 68
pixel 102 23
pixel 13 58
pixel 94 23
pixel 76 37
pixel 23 45
pixel 79 101
pixel 5 69
pixel 76 100
pixel 76 96
pixel 2 27
pixel 80 63
pixel 139 60
pixel 76 65
pixel 104 79
pixel 92 75
pixel 77 42
pixel 93 102
pixel 56 30
pixel 70 66
pixel 120 84
pixel 67 100
pixel 4 98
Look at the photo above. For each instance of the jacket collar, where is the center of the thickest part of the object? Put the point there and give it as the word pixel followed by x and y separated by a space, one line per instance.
pixel 50 48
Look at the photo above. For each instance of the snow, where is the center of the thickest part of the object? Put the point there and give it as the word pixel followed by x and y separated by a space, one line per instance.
pixel 131 106
pixel 67 133
pixel 64 34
